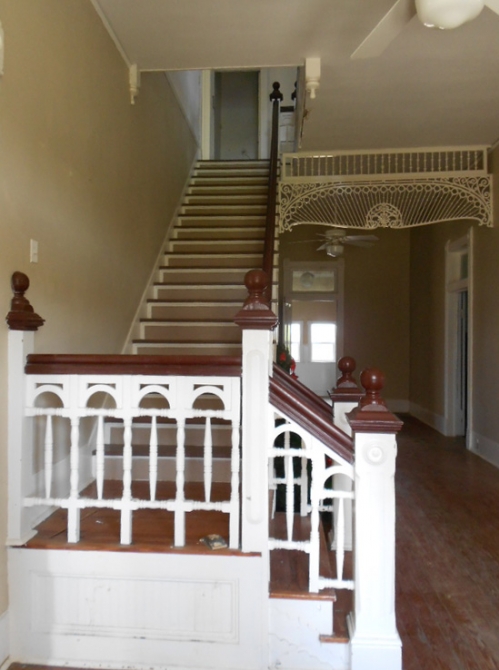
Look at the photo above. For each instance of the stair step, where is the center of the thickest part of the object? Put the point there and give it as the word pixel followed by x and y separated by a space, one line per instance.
pixel 224 210
pixel 222 221
pixel 228 189
pixel 214 332
pixel 185 348
pixel 229 181
pixel 231 173
pixel 206 275
pixel 232 199
pixel 234 164
pixel 182 311
pixel 209 246
pixel 220 233
pixel 213 260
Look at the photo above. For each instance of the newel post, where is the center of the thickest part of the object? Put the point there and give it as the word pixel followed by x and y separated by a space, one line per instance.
pixel 346 395
pixel 23 322
pixel 257 322
pixel 375 642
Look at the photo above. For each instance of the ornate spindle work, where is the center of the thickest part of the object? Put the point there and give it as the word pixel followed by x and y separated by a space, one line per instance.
pixel 153 458
pixel 234 496
pixel 208 459
pixel 49 456
pixel 180 481
pixel 73 509
pixel 99 457
pixel 290 488
pixel 126 510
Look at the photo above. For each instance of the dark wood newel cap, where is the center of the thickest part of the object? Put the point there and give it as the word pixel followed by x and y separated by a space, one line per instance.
pixel 22 316
pixel 276 93
pixel 256 313
pixel 372 414
pixel 346 389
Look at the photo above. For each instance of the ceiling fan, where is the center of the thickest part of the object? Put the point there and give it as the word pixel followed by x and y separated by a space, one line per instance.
pixel 444 14
pixel 333 241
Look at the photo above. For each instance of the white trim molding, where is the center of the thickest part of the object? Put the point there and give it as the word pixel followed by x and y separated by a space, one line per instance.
pixel 485 448
pixel 4 639
pixel 436 421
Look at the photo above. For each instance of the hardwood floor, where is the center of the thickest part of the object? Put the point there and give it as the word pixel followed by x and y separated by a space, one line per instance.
pixel 447 553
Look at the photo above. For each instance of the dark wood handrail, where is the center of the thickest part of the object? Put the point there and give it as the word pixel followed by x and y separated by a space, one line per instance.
pixel 268 249
pixel 312 414
pixel 81 364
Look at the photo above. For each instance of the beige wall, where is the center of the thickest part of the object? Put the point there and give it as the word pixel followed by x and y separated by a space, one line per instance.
pixel 376 300
pixel 92 178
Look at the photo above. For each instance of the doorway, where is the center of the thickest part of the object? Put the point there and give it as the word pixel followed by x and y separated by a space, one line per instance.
pixel 235 114
pixel 313 320
pixel 458 336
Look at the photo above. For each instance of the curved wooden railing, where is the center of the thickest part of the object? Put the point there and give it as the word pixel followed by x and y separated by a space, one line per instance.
pixel 268 250
pixel 309 412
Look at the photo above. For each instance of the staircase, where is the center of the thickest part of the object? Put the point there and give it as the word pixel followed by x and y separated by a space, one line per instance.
pixel 199 285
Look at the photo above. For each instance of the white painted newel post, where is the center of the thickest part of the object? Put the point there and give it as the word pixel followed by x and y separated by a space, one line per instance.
pixel 375 642
pixel 257 322
pixel 345 397
pixel 22 322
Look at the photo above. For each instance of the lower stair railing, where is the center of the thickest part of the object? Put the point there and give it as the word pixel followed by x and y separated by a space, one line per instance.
pixel 282 436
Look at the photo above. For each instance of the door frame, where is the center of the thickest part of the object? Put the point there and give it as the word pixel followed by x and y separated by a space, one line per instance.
pixel 453 250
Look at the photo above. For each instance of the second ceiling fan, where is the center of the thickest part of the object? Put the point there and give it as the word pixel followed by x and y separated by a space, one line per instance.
pixel 445 14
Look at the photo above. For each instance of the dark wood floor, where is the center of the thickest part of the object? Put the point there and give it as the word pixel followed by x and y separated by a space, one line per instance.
pixel 447 553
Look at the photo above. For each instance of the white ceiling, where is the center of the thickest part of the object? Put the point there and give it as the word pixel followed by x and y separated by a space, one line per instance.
pixel 428 88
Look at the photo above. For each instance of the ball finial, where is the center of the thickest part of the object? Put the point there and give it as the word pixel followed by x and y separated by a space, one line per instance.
pixel 373 380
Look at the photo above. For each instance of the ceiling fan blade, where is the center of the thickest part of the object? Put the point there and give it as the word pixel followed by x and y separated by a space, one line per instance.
pixel 387 29
pixel 323 246
pixel 493 5
pixel 360 238
pixel 358 243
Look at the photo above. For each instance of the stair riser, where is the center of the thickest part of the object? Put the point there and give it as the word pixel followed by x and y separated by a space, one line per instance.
pixel 186 312
pixel 229 190
pixel 229 181
pixel 229 261
pixel 215 172
pixel 233 199
pixel 205 333
pixel 223 210
pixel 194 277
pixel 221 221
pixel 225 247
pixel 194 469
pixel 225 233
pixel 197 293
pixel 186 350
pixel 233 165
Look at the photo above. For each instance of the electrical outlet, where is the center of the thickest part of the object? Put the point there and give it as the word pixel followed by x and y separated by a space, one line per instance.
pixel 33 251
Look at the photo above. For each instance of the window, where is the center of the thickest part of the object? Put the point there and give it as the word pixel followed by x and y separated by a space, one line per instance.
pixel 323 341
pixel 295 340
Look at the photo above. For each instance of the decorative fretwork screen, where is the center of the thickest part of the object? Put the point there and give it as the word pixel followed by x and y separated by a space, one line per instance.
pixel 389 189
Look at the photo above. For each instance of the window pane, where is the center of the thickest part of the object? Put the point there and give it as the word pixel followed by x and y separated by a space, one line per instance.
pixel 295 334
pixel 323 341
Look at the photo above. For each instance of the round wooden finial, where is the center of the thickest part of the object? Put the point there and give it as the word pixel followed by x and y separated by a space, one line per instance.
pixel 373 381
pixel 346 366
pixel 22 315
pixel 256 281
pixel 276 93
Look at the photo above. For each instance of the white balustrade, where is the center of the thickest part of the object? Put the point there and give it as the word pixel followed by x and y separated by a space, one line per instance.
pixel 125 395
pixel 322 488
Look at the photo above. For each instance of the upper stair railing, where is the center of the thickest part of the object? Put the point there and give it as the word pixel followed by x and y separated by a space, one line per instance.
pixel 270 226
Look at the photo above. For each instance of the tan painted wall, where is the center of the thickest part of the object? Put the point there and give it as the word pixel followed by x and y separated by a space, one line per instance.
pixel 93 179
pixel 376 300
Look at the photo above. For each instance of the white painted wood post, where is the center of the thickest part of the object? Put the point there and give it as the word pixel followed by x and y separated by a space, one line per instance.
pixel 345 397
pixel 375 642
pixel 257 322
pixel 22 322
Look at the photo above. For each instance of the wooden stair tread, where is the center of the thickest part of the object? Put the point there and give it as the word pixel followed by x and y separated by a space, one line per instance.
pixel 289 568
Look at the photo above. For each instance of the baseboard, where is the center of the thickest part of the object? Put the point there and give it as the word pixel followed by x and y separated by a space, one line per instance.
pixel 4 638
pixel 436 421
pixel 485 448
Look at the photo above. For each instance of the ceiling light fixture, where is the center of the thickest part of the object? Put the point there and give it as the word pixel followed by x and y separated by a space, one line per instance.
pixel 448 14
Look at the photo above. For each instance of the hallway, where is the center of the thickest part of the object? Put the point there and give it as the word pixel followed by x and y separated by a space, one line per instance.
pixel 447 553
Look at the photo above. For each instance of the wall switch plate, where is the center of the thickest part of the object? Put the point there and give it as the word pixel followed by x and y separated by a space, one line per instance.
pixel 33 251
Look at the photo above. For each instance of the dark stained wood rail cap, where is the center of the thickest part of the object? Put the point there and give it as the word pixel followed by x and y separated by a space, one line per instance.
pixel 185 366
pixel 298 406
pixel 294 383
pixel 22 316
